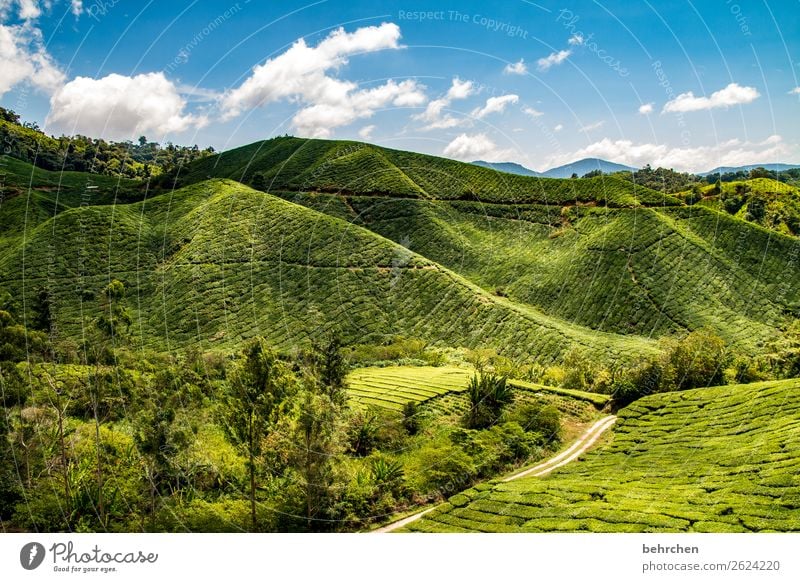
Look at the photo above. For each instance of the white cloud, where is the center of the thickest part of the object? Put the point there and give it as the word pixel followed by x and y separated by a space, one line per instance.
pixel 432 116
pixel 518 68
pixel 592 126
pixel 553 59
pixel 77 7
pixel 460 89
pixel 733 94
pixel 646 108
pixel 795 91
pixel 558 127
pixel 23 58
pixel 366 131
pixel 686 159
pixel 473 147
pixel 120 107
pixel 494 105
pixel 29 9
pixel 319 119
pixel 530 111
pixel 303 74
pixel 576 39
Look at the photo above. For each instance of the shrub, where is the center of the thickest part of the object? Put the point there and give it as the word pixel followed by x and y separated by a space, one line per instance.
pixel 488 395
pixel 541 419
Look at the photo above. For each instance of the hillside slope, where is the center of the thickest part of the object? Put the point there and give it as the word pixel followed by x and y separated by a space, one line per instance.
pixel 642 271
pixel 296 164
pixel 216 262
pixel 729 457
pixel 600 253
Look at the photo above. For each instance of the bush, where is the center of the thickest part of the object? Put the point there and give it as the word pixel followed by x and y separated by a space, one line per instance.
pixel 488 395
pixel 543 420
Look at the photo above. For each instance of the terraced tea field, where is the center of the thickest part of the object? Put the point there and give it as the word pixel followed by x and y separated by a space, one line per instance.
pixel 393 386
pixel 724 459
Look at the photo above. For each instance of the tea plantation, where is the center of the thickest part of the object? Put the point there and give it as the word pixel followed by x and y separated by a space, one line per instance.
pixel 723 459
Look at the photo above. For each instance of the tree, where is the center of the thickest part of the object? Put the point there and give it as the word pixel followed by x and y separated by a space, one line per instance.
pixel 331 367
pixel 9 480
pixel 317 444
pixel 698 360
pixel 258 389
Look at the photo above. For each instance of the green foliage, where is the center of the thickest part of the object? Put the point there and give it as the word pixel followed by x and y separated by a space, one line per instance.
pixel 294 164
pixel 661 179
pixel 84 154
pixel 260 385
pixel 488 396
pixel 542 419
pixel 698 360
pixel 411 417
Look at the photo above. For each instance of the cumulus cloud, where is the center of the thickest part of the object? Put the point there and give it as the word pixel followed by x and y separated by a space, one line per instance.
pixel 733 94
pixel 558 127
pixel 319 119
pixel 473 147
pixel 23 58
pixel 494 105
pixel 433 116
pixel 77 7
pixel 553 59
pixel 733 152
pixel 518 68
pixel 576 39
pixel 795 91
pixel 120 107
pixel 531 112
pixel 646 108
pixel 304 74
pixel 366 131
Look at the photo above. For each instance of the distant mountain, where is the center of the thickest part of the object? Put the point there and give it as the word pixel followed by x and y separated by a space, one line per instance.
pixel 771 167
pixel 585 166
pixel 508 167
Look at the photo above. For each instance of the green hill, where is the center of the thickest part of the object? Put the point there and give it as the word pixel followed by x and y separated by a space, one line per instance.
pixel 721 459
pixel 296 164
pixel 601 252
pixel 763 201
pixel 386 243
pixel 216 262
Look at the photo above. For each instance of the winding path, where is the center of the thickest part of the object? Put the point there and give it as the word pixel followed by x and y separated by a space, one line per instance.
pixel 575 450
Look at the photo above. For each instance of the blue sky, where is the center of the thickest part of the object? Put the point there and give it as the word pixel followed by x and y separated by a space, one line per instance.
pixel 681 84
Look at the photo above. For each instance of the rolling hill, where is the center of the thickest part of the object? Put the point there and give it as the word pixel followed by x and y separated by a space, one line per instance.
pixel 772 167
pixel 728 458
pixel 585 166
pixel 599 252
pixel 217 262
pixel 382 243
pixel 508 167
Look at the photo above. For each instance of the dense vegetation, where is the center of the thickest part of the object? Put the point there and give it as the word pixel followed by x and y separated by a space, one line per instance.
pixel 725 459
pixel 256 441
pixel 143 159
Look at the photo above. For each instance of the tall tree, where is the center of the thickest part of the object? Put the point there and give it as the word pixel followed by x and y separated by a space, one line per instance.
pixel 258 389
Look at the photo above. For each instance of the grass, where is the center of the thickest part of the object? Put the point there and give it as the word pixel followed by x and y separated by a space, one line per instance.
pixel 383 243
pixel 723 459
